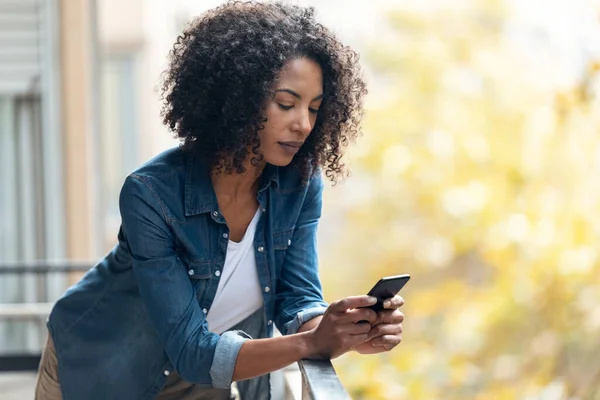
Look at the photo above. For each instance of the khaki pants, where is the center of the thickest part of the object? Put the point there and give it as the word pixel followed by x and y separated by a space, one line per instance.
pixel 48 387
pixel 48 384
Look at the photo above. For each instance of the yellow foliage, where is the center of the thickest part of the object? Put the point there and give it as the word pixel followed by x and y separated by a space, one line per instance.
pixel 479 176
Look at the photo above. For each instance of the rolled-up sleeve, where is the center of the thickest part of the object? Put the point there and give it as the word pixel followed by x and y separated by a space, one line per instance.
pixel 198 355
pixel 299 296
pixel 227 350
pixel 304 316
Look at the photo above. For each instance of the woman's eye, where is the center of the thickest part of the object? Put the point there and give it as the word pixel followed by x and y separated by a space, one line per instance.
pixel 284 107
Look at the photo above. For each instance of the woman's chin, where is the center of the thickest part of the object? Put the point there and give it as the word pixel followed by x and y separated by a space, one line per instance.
pixel 279 160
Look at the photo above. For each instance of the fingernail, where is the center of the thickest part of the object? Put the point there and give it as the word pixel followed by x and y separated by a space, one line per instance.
pixel 372 300
pixel 387 303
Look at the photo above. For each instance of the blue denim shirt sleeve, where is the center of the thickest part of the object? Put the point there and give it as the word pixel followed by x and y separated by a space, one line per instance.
pixel 198 355
pixel 299 295
pixel 228 347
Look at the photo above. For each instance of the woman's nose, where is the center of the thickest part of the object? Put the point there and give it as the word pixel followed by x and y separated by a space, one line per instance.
pixel 303 124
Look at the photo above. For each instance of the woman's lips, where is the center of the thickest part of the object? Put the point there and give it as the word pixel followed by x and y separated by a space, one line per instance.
pixel 290 147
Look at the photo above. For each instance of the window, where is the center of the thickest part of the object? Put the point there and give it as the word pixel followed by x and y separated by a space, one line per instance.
pixel 31 206
pixel 118 137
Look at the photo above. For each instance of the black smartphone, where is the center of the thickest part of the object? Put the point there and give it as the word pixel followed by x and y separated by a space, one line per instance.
pixel 387 287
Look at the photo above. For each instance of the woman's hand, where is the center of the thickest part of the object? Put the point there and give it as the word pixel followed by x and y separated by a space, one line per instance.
pixel 386 331
pixel 340 330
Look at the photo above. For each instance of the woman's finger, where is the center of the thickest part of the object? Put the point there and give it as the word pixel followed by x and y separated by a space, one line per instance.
pixel 385 329
pixel 387 341
pixel 394 316
pixel 391 317
pixel 361 314
pixel 393 302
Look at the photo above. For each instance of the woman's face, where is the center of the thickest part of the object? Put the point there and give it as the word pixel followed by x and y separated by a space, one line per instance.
pixel 292 112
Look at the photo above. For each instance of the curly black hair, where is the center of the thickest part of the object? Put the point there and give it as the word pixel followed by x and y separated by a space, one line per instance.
pixel 223 69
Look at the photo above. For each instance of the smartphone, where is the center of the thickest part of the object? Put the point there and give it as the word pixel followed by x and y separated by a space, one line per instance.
pixel 387 287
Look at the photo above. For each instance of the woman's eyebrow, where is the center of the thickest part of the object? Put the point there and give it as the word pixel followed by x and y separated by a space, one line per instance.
pixel 290 91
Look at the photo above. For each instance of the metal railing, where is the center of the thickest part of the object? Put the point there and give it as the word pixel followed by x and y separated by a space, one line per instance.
pixel 21 362
pixel 320 382
pixel 306 380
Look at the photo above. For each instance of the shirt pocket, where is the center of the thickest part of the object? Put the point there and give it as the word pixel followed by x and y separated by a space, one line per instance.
pixel 282 240
pixel 199 273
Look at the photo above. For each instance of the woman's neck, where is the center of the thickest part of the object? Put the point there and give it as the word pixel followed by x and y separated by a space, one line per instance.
pixel 233 186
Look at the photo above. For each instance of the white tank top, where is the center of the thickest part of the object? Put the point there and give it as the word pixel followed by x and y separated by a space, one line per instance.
pixel 238 294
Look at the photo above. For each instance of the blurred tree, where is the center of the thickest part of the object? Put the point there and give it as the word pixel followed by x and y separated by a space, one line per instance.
pixel 480 177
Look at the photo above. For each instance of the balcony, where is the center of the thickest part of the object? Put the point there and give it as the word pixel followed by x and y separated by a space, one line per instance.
pixel 305 380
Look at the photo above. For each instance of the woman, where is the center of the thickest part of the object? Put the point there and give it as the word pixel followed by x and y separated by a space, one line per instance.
pixel 218 236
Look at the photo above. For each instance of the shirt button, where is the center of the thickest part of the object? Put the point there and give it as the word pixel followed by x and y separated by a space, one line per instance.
pixel 205 311
pixel 261 249
pixel 218 273
pixel 225 236
pixel 267 289
pixel 216 214
pixel 264 209
pixel 167 372
pixel 191 272
pixel 270 322
pixel 289 242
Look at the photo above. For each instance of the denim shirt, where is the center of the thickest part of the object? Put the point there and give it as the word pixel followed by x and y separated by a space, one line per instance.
pixel 140 313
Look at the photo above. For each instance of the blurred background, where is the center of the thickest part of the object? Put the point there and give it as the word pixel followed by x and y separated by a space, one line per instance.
pixel 478 174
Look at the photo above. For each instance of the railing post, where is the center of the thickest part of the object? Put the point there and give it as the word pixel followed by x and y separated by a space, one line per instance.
pixel 320 382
